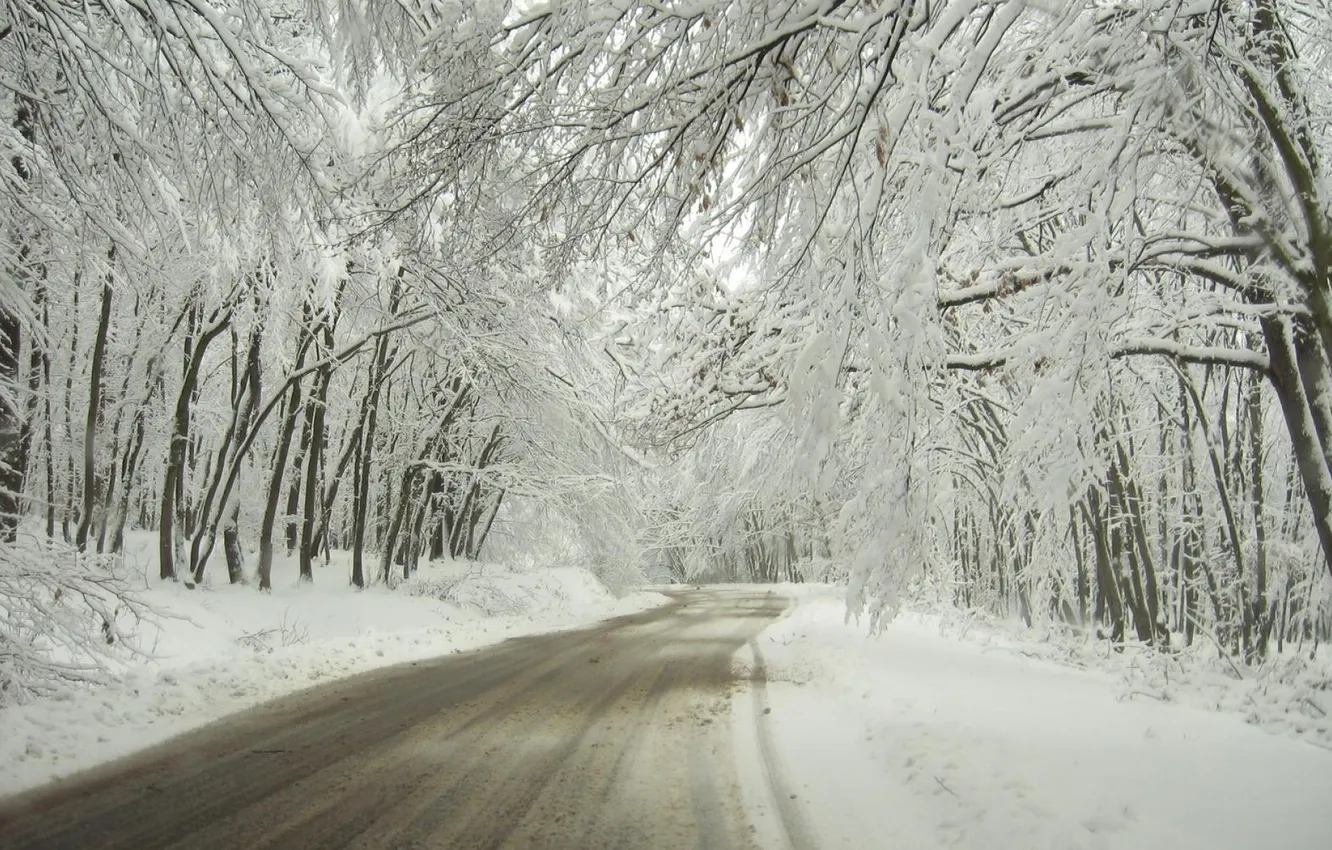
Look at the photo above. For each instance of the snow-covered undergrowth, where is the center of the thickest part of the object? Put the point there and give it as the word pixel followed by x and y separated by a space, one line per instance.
pixel 65 618
pixel 497 590
pixel 922 739
pixel 218 649
pixel 1289 692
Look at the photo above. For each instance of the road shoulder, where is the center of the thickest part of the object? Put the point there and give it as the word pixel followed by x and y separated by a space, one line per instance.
pixel 913 739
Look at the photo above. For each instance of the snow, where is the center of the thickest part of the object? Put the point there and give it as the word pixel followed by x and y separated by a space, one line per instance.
pixel 914 739
pixel 221 649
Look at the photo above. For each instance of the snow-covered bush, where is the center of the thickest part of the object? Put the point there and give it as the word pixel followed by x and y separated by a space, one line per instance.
pixel 496 591
pixel 65 618
pixel 286 633
pixel 441 587
pixel 824 570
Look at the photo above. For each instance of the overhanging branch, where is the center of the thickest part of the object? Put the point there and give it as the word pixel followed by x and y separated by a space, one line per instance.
pixel 1179 352
pixel 1206 355
pixel 1004 283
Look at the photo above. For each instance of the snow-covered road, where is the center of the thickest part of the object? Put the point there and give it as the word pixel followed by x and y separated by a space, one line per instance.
pixel 222 649
pixel 613 736
pixel 617 735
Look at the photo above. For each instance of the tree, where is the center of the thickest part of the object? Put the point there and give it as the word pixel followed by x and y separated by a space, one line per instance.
pixel 908 183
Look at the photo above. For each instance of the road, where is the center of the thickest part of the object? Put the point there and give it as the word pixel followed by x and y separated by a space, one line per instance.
pixel 613 736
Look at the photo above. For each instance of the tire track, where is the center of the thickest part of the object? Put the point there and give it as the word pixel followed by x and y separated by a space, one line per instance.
pixel 797 833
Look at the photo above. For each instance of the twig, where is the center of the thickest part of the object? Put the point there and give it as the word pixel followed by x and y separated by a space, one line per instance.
pixel 1140 692
pixel 1216 643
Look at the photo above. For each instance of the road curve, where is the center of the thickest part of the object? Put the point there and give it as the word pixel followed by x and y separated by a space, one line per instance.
pixel 615 736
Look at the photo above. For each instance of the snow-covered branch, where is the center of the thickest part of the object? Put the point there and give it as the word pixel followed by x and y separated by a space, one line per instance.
pixel 1204 355
pixel 65 618
pixel 995 285
pixel 1183 353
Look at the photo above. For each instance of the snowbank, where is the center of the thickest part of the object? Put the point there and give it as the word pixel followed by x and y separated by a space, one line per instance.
pixel 913 739
pixel 1290 692
pixel 220 649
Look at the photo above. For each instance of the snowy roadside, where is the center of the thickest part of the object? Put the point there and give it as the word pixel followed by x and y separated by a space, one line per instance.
pixel 915 739
pixel 222 649
pixel 1290 694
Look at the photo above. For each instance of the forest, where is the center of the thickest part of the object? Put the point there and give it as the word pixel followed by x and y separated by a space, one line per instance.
pixel 1026 306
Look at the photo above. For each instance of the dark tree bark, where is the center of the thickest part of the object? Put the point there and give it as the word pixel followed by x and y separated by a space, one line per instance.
pixel 94 415
pixel 358 508
pixel 350 451
pixel 1109 603
pixel 290 526
pixel 315 410
pixel 194 326
pixel 180 434
pixel 411 550
pixel 380 364
pixel 41 378
pixel 231 547
pixel 15 429
pixel 439 522
pixel 246 393
pixel 469 514
pixel 1261 612
pixel 13 459
pixel 71 368
pixel 122 433
pixel 129 471
pixel 475 542
pixel 286 429
pixel 1301 423
pixel 390 543
pixel 364 475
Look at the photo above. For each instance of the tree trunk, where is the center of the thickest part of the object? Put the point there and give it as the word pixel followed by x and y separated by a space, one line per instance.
pixel 94 415
pixel 279 465
pixel 349 452
pixel 128 474
pixel 179 442
pixel 1300 419
pixel 364 467
pixel 369 418
pixel 245 397
pixel 412 553
pixel 1109 605
pixel 1261 613
pixel 13 462
pixel 358 508
pixel 290 526
pixel 390 543
pixel 231 547
pixel 43 368
pixel 465 521
pixel 474 546
pixel 1151 592
pixel 15 429
pixel 315 409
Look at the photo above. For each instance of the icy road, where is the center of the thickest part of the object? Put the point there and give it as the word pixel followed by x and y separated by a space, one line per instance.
pixel 614 736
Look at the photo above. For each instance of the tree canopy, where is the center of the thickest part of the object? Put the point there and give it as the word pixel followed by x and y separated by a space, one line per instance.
pixel 1029 303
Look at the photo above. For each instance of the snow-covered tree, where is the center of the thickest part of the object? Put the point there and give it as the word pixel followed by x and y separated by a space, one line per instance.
pixel 1063 202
